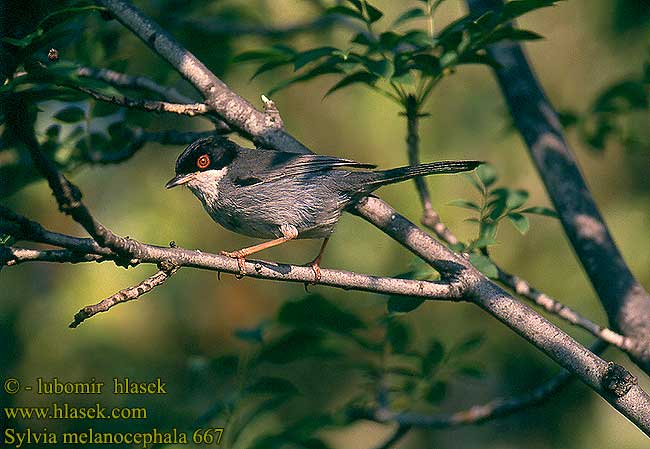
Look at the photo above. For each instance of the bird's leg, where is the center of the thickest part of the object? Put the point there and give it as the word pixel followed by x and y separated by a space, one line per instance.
pixel 288 233
pixel 315 264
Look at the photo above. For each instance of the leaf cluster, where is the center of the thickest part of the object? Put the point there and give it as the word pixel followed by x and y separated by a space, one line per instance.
pixel 394 62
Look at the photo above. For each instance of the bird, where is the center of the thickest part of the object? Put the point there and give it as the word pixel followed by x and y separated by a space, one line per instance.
pixel 281 196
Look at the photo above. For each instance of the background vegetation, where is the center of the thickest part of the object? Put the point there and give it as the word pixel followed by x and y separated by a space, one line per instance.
pixel 187 331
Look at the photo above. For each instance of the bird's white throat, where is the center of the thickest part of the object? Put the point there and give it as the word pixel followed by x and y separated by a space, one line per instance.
pixel 205 185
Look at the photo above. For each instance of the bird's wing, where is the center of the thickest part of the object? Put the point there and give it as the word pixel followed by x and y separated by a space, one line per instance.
pixel 274 165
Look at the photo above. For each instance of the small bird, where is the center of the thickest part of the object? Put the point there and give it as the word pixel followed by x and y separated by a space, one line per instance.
pixel 283 196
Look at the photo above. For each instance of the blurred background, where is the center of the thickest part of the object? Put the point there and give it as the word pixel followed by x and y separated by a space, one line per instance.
pixel 177 332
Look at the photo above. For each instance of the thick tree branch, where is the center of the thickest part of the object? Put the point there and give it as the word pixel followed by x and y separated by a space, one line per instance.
pixel 626 302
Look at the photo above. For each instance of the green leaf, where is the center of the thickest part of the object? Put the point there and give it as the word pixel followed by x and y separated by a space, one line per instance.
pixel 464 204
pixel 427 64
pixel 517 8
pixel 411 14
pixel 516 198
pixel 484 242
pixel 382 68
pixel 295 345
pixel 53 131
pixel 468 344
pixel 272 385
pixel 398 335
pixel 436 392
pixel 484 265
pixel 224 366
pixel 344 10
pixel 623 96
pixel 357 4
pixel 327 67
pixel 303 58
pixel 389 39
pixel 434 356
pixel 520 222
pixel 487 174
pixel 474 371
pixel 357 77
pixel 272 53
pixel 418 39
pixel 488 231
pixel 70 114
pixel 403 304
pixel 268 66
pixel 315 311
pixel 511 34
pixel 539 210
pixel 373 13
pixel 253 335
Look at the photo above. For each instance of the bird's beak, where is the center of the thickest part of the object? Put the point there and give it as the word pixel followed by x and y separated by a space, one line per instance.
pixel 178 180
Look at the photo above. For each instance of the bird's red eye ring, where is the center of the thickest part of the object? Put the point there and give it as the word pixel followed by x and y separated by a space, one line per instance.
pixel 203 161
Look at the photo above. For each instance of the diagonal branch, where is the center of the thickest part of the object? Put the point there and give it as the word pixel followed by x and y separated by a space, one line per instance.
pixel 192 109
pixel 626 302
pixel 632 401
pixel 523 288
pixel 125 295
pixel 497 408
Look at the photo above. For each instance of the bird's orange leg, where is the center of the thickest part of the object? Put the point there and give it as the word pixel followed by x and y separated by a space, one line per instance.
pixel 315 264
pixel 289 233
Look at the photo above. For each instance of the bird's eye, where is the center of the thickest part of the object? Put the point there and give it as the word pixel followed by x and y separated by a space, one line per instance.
pixel 203 161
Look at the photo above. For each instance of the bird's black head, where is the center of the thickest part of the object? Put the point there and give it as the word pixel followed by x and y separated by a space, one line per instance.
pixel 208 153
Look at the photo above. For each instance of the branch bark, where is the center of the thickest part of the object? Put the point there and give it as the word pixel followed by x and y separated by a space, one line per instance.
pixel 626 302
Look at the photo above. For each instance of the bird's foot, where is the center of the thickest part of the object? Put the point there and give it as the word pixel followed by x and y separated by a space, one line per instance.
pixel 315 267
pixel 240 261
pixel 317 275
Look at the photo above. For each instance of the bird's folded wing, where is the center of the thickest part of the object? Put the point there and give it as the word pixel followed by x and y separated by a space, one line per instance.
pixel 290 165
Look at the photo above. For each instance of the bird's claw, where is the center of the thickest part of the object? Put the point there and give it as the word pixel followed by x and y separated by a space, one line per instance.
pixel 317 273
pixel 240 261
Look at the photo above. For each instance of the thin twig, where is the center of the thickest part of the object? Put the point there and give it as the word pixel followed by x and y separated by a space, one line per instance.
pixel 10 256
pixel 191 110
pixel 430 217
pixel 125 295
pixel 523 288
pixel 137 82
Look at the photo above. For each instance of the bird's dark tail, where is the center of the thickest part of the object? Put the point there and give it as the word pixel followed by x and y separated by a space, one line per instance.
pixel 432 168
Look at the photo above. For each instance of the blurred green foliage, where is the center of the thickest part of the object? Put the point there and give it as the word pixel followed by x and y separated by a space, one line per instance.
pixel 290 373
